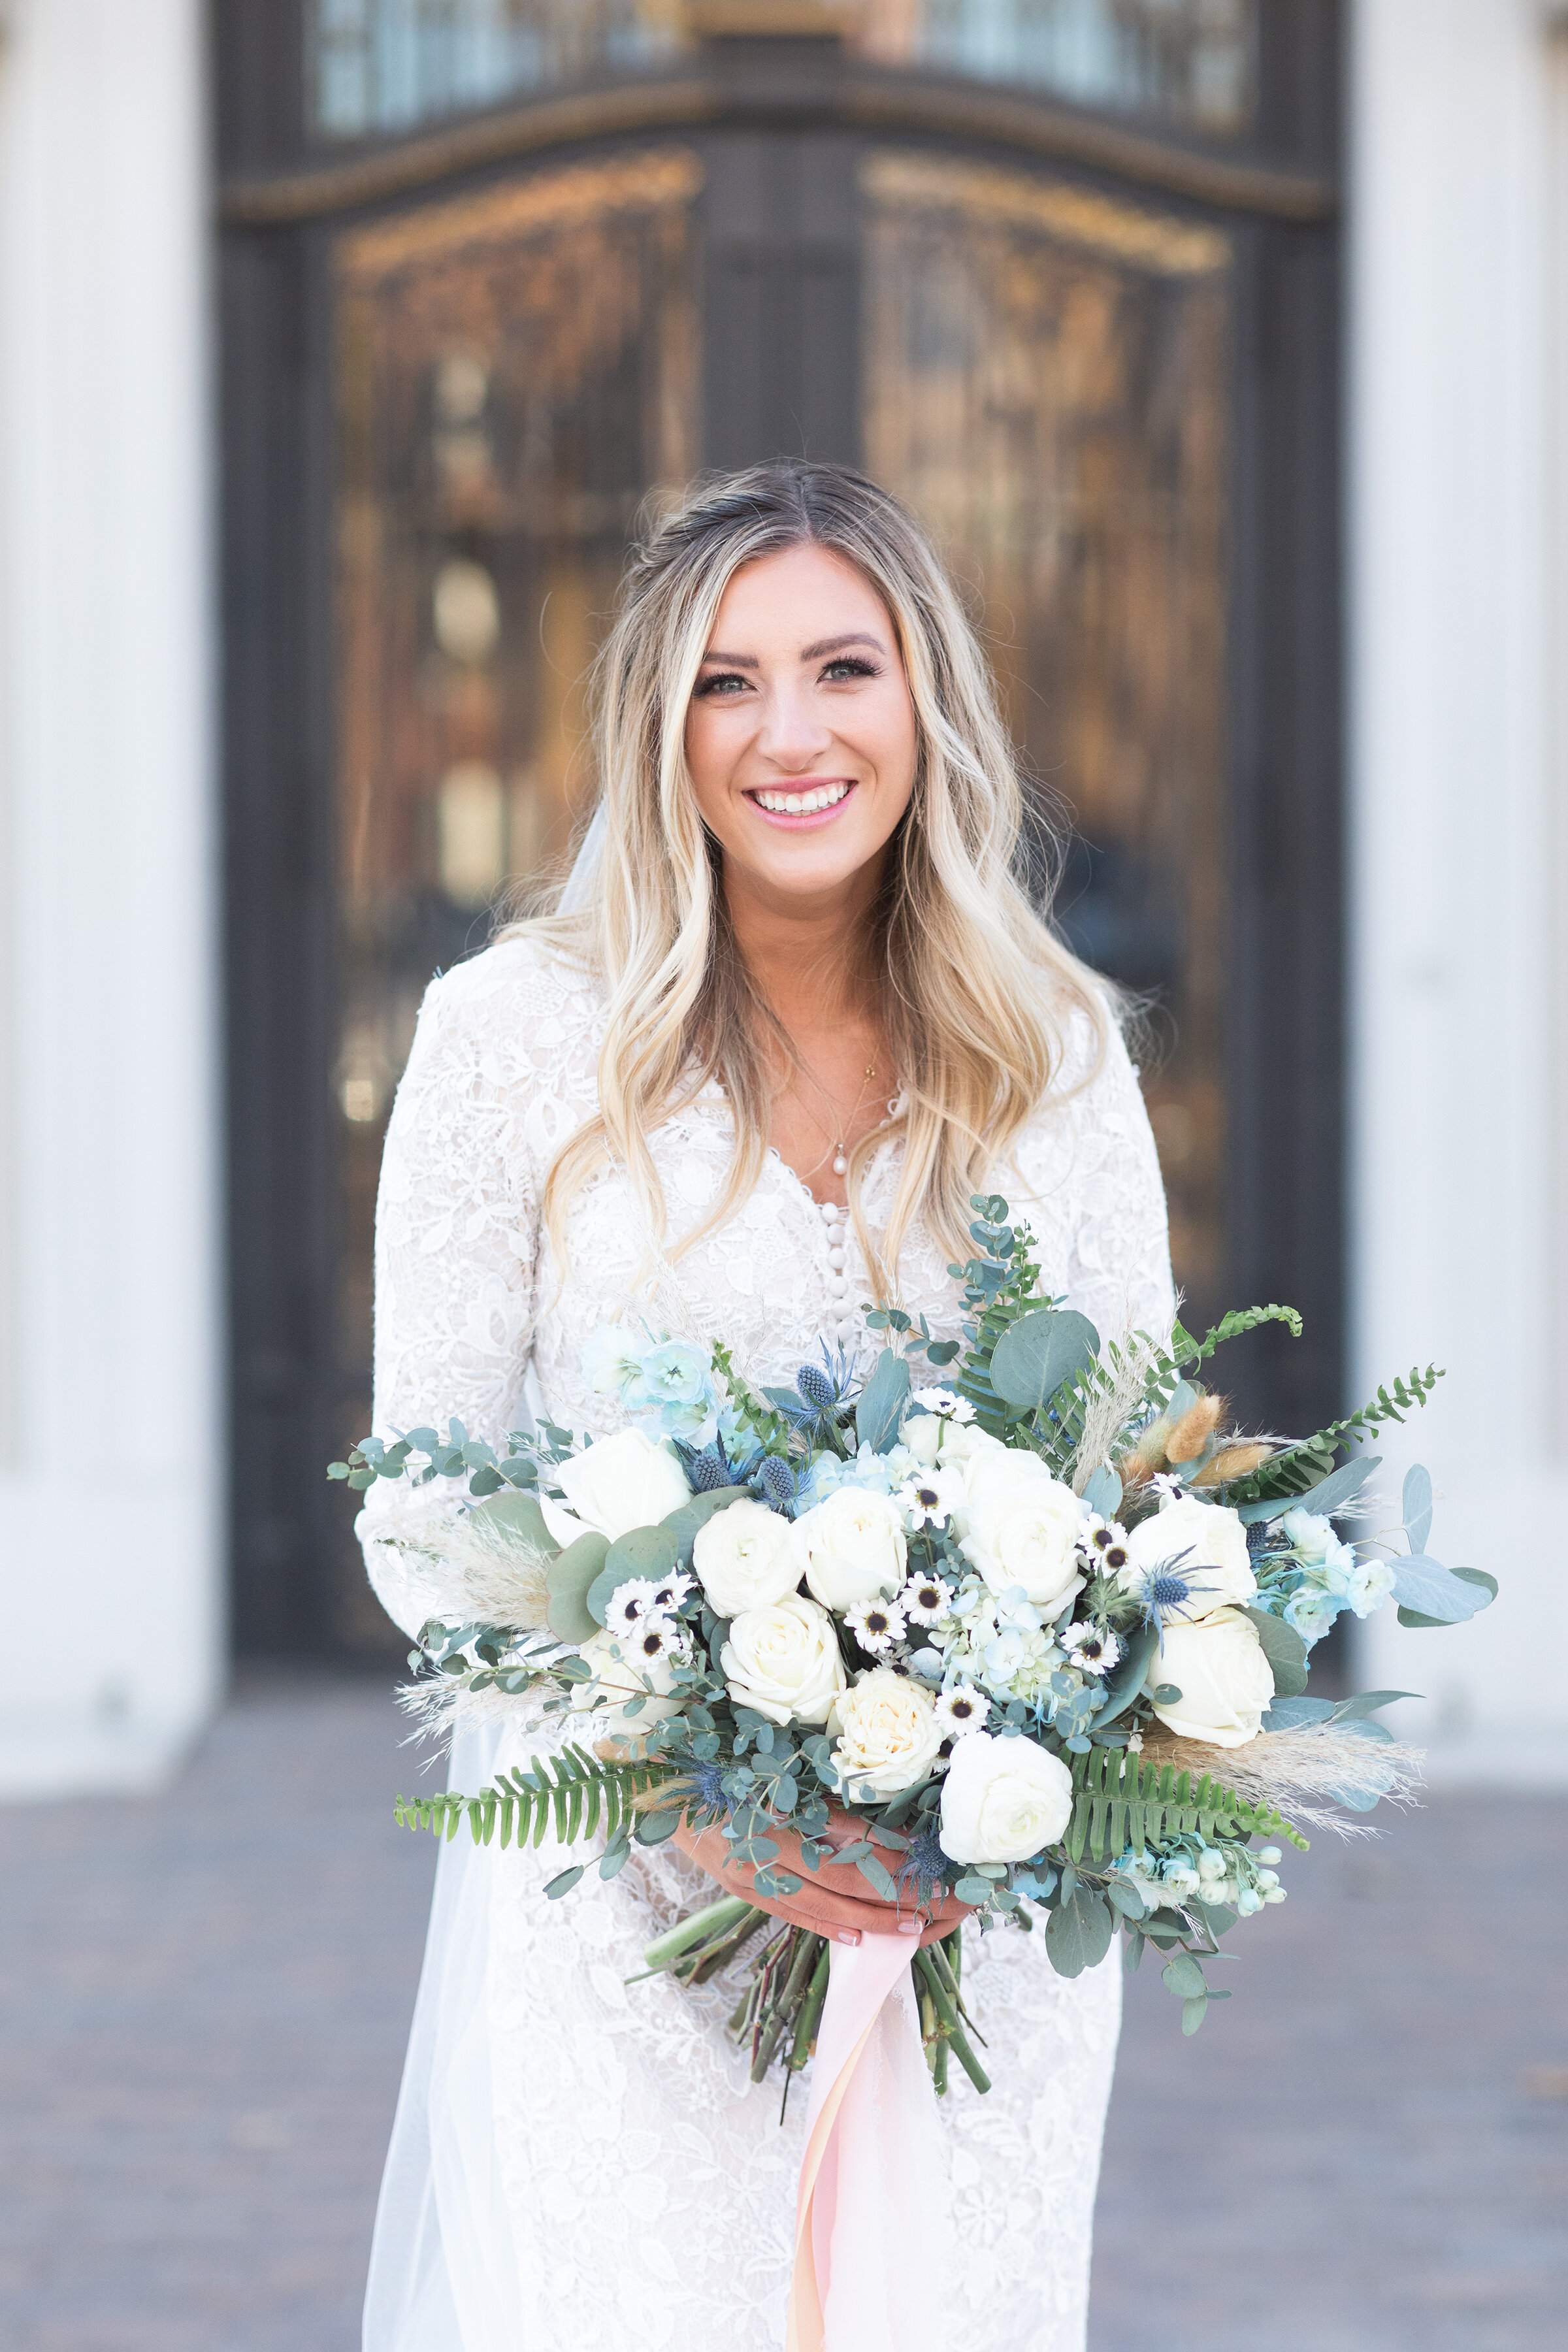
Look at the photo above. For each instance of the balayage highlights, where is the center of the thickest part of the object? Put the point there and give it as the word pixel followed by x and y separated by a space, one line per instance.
pixel 973 988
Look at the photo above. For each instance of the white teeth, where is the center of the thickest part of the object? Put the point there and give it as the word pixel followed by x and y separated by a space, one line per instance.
pixel 801 803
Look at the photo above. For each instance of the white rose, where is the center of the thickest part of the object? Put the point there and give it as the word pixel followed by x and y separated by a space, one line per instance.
pixel 1021 1526
pixel 1214 1541
pixel 784 1661
pixel 623 1482
pixel 744 1559
pixel 1003 1800
pixel 887 1734
pixel 1225 1679
pixel 922 1434
pixel 964 1441
pixel 851 1547
pixel 627 1676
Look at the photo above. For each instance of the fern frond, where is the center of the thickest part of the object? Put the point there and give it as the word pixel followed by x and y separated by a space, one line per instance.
pixel 574 1792
pixel 1303 1464
pixel 1188 1351
pixel 1123 1805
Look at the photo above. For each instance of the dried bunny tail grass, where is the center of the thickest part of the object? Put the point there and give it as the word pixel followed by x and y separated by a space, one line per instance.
pixel 1194 1429
pixel 1237 1457
pixel 1297 1772
pixel 1129 1361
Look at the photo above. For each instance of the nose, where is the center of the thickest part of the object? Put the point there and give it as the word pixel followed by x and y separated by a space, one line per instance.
pixel 793 735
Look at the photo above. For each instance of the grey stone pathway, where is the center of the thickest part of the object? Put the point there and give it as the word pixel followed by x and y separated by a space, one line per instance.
pixel 204 1996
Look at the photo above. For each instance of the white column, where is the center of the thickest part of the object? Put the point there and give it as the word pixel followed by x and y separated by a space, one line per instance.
pixel 1457 1178
pixel 110 1535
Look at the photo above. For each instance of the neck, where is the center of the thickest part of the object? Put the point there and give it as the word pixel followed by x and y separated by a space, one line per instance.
pixel 802 950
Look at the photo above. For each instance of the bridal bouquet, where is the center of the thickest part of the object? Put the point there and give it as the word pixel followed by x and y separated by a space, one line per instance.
pixel 1028 1638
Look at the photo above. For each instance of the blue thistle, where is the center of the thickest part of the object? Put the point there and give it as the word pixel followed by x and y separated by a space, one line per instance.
pixel 706 1470
pixel 1166 1588
pixel 775 1481
pixel 816 1387
pixel 925 1866
pixel 709 1795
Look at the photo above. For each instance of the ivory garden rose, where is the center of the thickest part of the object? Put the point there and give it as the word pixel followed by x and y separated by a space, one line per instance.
pixel 1021 1527
pixel 1003 1800
pixel 851 1548
pixel 620 1483
pixel 783 1660
pixel 889 1735
pixel 745 1559
pixel 1226 1682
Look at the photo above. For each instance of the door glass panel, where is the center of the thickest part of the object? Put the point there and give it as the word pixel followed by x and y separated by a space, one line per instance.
pixel 382 65
pixel 1191 60
pixel 1045 382
pixel 515 371
pixel 385 65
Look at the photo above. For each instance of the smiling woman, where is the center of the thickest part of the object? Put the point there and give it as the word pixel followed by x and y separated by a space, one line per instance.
pixel 795 921
pixel 866 970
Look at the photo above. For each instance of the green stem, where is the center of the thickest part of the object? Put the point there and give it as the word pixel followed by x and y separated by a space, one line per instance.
pixel 715 1919
pixel 811 2010
pixel 955 2034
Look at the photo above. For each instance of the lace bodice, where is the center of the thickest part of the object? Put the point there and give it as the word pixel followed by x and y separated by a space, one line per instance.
pixel 467 1293
pixel 548 2089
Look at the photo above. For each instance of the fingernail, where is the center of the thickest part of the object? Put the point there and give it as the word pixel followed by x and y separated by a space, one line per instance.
pixel 849 1934
pixel 909 1926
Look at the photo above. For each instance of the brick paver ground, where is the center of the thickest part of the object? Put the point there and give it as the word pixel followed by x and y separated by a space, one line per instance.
pixel 204 1996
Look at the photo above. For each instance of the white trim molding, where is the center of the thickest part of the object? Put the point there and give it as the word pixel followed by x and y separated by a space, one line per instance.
pixel 110 1532
pixel 1456 1001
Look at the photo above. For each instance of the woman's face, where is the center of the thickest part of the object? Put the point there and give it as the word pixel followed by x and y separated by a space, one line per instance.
pixel 800 735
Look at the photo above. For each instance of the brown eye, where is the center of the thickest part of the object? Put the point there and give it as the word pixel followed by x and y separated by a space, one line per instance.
pixel 1116 1557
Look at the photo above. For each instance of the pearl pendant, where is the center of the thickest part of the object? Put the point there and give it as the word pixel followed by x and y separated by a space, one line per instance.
pixel 840 1165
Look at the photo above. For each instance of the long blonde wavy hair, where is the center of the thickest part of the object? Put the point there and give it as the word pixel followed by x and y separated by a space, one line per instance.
pixel 970 983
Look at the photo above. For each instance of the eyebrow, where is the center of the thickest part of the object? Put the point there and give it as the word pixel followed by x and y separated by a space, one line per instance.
pixel 808 653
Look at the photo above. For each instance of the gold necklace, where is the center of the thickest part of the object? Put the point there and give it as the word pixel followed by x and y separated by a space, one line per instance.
pixel 837 1142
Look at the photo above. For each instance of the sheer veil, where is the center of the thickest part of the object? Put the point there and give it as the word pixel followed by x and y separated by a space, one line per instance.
pixel 443 2270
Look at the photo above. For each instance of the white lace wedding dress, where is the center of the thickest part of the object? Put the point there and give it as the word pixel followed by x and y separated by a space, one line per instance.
pixel 578 2164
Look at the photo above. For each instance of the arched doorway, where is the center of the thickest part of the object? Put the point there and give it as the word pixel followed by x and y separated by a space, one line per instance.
pixel 1061 275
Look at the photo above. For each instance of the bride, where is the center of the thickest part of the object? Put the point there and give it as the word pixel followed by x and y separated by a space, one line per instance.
pixel 793 1010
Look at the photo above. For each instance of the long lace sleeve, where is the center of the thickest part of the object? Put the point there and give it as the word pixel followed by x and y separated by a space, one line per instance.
pixel 456 1233
pixel 1100 1200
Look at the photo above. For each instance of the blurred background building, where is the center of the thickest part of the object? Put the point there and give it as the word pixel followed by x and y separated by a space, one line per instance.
pixel 1224 343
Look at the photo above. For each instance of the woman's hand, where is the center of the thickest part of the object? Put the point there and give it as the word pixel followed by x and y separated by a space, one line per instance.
pixel 834 1900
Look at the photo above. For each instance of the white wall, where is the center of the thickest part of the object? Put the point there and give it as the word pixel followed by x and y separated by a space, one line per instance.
pixel 109 1530
pixel 1457 783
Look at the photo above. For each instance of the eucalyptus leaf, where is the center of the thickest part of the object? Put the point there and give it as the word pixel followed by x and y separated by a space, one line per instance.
pixel 881 1402
pixel 1330 1494
pixel 1037 1354
pixel 1078 1931
pixel 1194 2014
pixel 1104 1492
pixel 1416 1505
pixel 1298 1714
pixel 1365 1703
pixel 1185 1977
pixel 521 1518
pixel 1125 1681
pixel 1424 1586
pixel 1285 1651
pixel 570 1575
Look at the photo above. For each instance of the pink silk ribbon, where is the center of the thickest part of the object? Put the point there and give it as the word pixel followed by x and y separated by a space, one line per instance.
pixel 872 2168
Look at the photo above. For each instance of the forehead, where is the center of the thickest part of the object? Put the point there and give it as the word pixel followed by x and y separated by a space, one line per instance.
pixel 794 597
